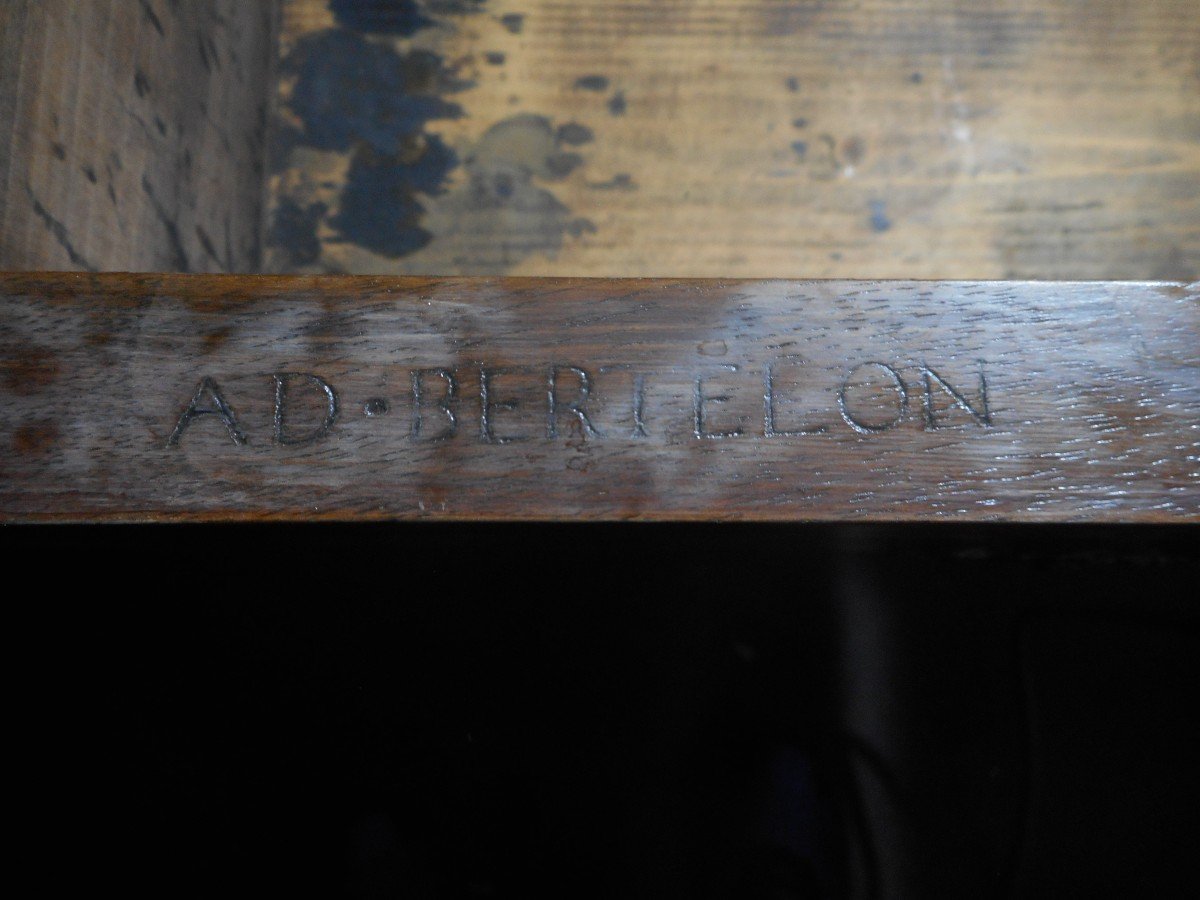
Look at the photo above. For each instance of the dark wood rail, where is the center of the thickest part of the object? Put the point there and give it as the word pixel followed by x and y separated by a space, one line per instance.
pixel 152 398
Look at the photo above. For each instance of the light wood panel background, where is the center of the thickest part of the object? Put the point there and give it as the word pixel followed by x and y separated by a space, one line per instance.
pixel 840 138
pixel 133 133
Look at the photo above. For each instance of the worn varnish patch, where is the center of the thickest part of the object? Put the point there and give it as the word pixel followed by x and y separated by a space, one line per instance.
pixel 144 398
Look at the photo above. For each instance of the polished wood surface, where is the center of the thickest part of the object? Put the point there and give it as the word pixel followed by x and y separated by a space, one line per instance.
pixel 133 133
pixel 194 397
pixel 1015 139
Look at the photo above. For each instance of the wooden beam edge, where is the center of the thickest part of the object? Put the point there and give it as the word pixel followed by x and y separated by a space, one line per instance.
pixel 161 398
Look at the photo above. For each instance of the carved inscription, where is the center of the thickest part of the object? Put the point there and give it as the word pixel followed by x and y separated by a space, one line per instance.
pixel 870 398
pixel 144 398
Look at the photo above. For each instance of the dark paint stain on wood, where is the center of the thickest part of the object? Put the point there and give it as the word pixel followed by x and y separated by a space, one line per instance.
pixel 562 164
pixel 396 17
pixel 580 227
pixel 596 83
pixel 879 216
pixel 379 208
pixel 823 158
pixel 575 134
pixel 294 230
pixel 376 101
pixel 454 7
pixel 622 181
pixel 617 104
pixel 525 142
pixel 350 90
pixel 800 148
pixel 502 206
pixel 513 22
pixel 853 150
pixel 34 439
pixel 494 58
pixel 352 94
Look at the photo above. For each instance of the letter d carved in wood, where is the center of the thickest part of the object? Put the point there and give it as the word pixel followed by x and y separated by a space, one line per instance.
pixel 285 384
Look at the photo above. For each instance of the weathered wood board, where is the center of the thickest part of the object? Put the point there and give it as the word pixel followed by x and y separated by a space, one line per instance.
pixel 1015 139
pixel 198 397
pixel 133 133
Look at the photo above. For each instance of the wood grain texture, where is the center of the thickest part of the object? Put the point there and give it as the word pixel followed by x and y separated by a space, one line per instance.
pixel 133 133
pixel 1044 139
pixel 162 398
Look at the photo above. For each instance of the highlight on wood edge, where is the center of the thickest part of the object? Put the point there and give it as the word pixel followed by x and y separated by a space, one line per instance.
pixel 146 397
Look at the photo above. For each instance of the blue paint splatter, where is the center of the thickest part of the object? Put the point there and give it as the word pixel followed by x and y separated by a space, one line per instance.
pixel 294 230
pixel 879 217
pixel 355 95
pixel 401 17
pixel 350 90
pixel 378 208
